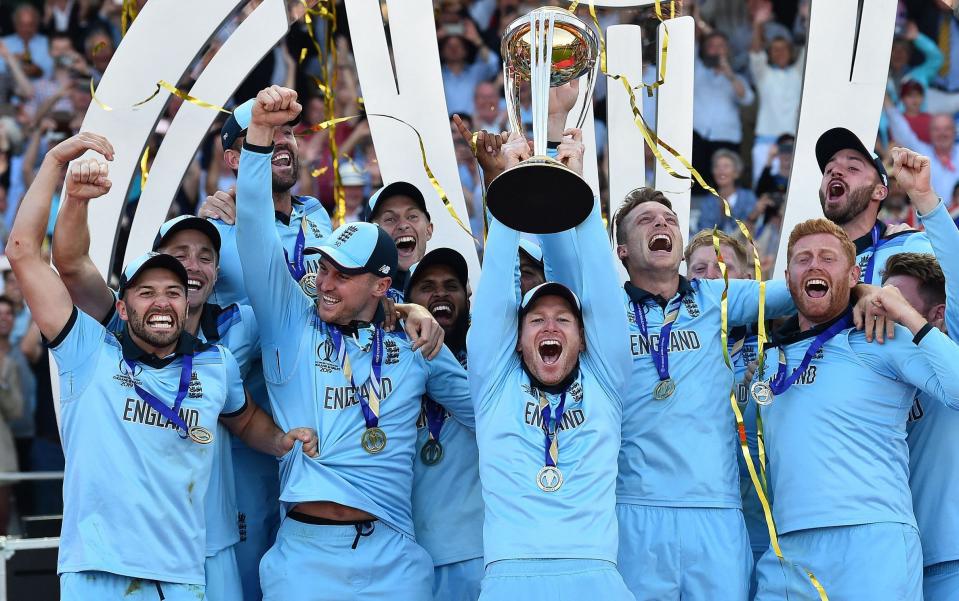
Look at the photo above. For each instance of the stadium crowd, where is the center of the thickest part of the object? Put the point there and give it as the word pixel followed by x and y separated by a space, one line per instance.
pixel 520 390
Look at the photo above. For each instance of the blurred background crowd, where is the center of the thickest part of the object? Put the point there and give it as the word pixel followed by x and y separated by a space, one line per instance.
pixel 748 83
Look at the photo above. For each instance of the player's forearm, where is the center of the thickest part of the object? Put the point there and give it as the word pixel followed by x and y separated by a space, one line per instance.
pixel 942 355
pixel 258 431
pixel 71 257
pixel 30 226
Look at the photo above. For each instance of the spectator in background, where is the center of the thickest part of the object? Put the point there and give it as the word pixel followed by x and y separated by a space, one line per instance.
pixel 727 167
pixel 896 208
pixel 777 73
pixel 466 61
pixel 912 96
pixel 354 197
pixel 27 44
pixel 486 113
pixel 98 48
pixel 937 21
pixel 765 223
pixel 718 95
pixel 778 166
pixel 942 149
pixel 901 68
pixel 11 407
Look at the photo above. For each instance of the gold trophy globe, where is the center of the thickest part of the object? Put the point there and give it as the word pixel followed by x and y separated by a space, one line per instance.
pixel 548 47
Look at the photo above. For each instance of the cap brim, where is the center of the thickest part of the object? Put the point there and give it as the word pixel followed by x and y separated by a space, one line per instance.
pixel 193 223
pixel 440 256
pixel 160 261
pixel 530 255
pixel 836 139
pixel 340 261
pixel 397 189
pixel 551 289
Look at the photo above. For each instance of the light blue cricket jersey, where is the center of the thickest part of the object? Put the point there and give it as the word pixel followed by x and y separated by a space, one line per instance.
pixel 235 328
pixel 903 242
pixel 578 520
pixel 308 388
pixel 933 443
pixel 836 439
pixel 447 496
pixel 230 286
pixel 133 488
pixel 752 508
pixel 682 451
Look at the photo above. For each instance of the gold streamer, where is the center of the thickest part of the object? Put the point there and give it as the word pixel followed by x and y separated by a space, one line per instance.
pixel 144 171
pixel 320 171
pixel 93 95
pixel 303 52
pixel 128 13
pixel 741 425
pixel 165 85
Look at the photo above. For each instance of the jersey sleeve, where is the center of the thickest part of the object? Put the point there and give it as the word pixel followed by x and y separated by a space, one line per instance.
pixel 243 339
pixel 744 300
pixel 492 335
pixel 944 236
pixel 76 350
pixel 571 255
pixel 448 385
pixel 235 401
pixel 276 298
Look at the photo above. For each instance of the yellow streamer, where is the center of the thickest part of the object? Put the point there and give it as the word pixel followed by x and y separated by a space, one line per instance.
pixel 165 85
pixel 303 52
pixel 93 95
pixel 320 171
pixel 127 14
pixel 144 170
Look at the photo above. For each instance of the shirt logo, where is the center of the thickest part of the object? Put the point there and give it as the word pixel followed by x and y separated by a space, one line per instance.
pixel 384 269
pixel 343 397
pixel 324 356
pixel 346 235
pixel 679 341
pixel 572 418
pixel 392 352
pixel 138 411
pixel 196 387
pixel 125 377
pixel 315 229
pixel 691 307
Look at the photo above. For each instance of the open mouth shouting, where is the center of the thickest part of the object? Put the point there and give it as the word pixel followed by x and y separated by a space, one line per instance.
pixel 405 245
pixel 816 287
pixel 549 350
pixel 836 189
pixel 660 243
pixel 160 322
pixel 442 310
pixel 282 158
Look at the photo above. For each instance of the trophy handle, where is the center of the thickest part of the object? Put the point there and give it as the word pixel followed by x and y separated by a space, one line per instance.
pixel 590 84
pixel 511 93
pixel 541 54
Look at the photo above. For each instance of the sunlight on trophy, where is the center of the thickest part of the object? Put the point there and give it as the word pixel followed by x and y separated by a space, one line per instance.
pixel 548 47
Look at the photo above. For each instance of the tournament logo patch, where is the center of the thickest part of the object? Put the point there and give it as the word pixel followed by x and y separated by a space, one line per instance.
pixel 691 307
pixel 325 356
pixel 392 352
pixel 125 378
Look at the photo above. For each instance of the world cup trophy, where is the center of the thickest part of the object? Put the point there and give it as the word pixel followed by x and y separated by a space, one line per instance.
pixel 548 47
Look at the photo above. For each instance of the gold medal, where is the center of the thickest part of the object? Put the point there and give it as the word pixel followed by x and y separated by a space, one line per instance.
pixel 200 435
pixel 664 389
pixel 549 478
pixel 761 392
pixel 432 452
pixel 373 440
pixel 308 284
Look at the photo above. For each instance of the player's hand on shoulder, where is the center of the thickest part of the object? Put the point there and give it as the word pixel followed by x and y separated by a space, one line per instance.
pixel 220 205
pixel 275 106
pixel 423 330
pixel 87 179
pixel 878 310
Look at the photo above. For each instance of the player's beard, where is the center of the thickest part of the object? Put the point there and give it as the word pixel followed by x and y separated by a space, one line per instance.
pixel 282 183
pixel 137 325
pixel 856 202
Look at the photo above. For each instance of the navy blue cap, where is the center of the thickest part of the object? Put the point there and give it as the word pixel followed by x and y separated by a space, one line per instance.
pixel 356 248
pixel 239 120
pixel 439 256
pixel 840 138
pixel 187 222
pixel 551 289
pixel 150 260
pixel 397 189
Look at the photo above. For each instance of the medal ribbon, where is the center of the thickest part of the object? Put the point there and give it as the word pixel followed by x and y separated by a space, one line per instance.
pixel 368 393
pixel 661 352
pixel 296 266
pixel 552 442
pixel 172 414
pixel 780 383
pixel 434 418
pixel 867 277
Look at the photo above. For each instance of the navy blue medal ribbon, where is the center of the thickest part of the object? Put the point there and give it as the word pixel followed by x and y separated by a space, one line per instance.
pixel 435 417
pixel 171 413
pixel 867 277
pixel 780 382
pixel 297 266
pixel 551 426
pixel 660 352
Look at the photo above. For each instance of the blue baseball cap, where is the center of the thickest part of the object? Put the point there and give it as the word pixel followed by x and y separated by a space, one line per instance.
pixel 551 289
pixel 150 260
pixel 187 222
pixel 397 189
pixel 356 248
pixel 531 249
pixel 439 256
pixel 239 120
pixel 840 138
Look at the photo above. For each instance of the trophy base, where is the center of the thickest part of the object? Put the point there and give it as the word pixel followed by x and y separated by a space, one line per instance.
pixel 540 196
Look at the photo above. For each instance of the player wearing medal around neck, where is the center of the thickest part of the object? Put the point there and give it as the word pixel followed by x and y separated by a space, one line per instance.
pixel 854 184
pixel 328 361
pixel 547 371
pixel 702 263
pixel 932 427
pixel 447 496
pixel 679 502
pixel 195 242
pixel 400 209
pixel 835 432
pixel 142 408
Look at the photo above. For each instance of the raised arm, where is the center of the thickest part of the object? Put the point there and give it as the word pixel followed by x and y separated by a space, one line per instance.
pixel 274 295
pixel 43 290
pixel 71 251
pixel 744 300
pixel 902 132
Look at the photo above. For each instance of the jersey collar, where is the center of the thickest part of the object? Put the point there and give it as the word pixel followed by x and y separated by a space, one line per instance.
pixel 640 296
pixel 186 345
pixel 209 316
pixel 864 243
pixel 283 217
pixel 789 333
pixel 558 388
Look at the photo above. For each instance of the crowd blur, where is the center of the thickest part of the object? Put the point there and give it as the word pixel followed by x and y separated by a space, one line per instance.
pixel 748 80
